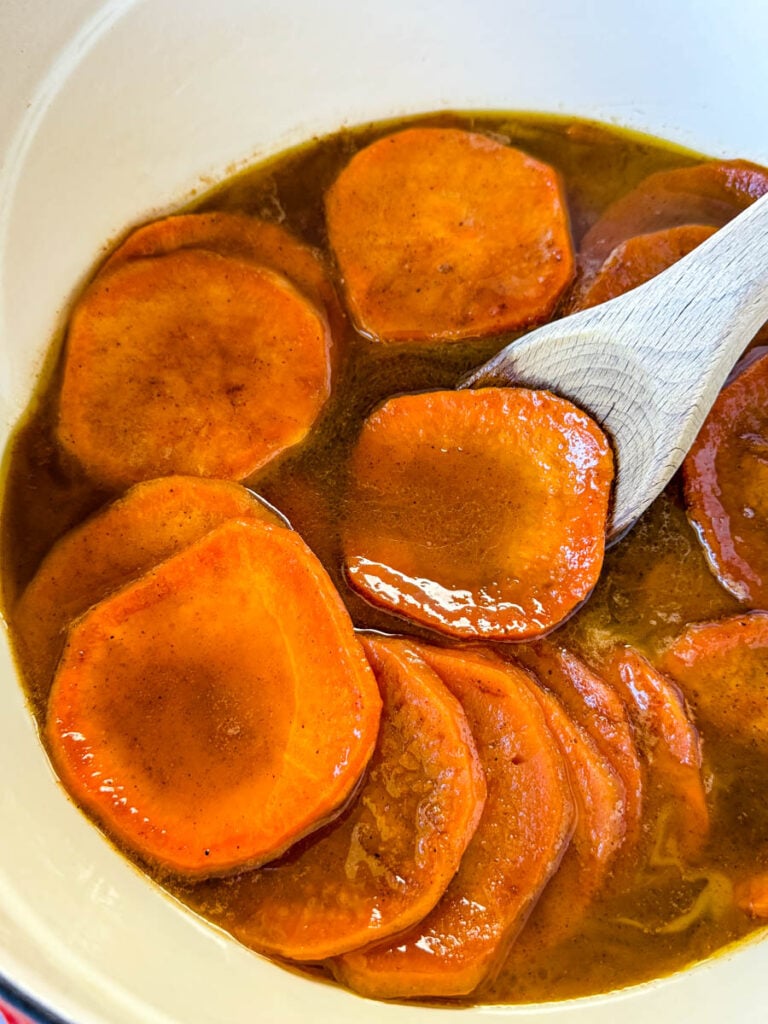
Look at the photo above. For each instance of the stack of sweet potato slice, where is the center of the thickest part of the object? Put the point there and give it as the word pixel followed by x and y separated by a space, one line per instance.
pixel 488 805
pixel 665 217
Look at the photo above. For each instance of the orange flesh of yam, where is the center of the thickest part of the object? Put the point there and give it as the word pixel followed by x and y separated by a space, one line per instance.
pixel 443 234
pixel 478 513
pixel 710 193
pixel 669 742
pixel 598 709
pixel 751 895
pixel 636 261
pixel 386 862
pixel 525 827
pixel 153 521
pixel 190 363
pixel 242 238
pixel 217 709
pixel 600 829
pixel 722 668
pixel 725 478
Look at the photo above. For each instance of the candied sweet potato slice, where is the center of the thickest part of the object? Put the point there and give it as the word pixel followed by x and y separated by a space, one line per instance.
pixel 636 261
pixel 669 743
pixel 599 796
pixel 190 363
pixel 478 513
pixel 241 237
pixel 443 234
pixel 525 827
pixel 722 668
pixel 384 864
pixel 218 708
pixel 709 193
pixel 151 522
pixel 725 478
pixel 596 706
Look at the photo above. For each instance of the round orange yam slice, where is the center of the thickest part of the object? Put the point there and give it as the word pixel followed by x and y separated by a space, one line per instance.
pixel 151 522
pixel 600 829
pixel 190 363
pixel 669 744
pixel 636 261
pixel 387 861
pixel 442 234
pixel 722 668
pixel 725 478
pixel 478 513
pixel 217 709
pixel 525 827
pixel 243 238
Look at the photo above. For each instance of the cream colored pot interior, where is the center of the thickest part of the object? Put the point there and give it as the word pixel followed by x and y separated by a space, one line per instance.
pixel 115 112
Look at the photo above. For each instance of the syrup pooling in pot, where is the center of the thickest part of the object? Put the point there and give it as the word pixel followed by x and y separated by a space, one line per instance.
pixel 667 911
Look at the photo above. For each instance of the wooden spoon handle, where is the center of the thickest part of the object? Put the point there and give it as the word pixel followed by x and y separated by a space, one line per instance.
pixel 701 313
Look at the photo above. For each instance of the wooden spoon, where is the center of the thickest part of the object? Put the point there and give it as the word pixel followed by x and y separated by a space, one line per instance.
pixel 649 364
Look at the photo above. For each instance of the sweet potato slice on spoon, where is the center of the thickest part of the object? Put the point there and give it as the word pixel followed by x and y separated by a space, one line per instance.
pixel 725 478
pixel 443 234
pixel 478 513
pixel 219 708
pixel 123 540
pixel 525 827
pixel 190 363
pixel 384 864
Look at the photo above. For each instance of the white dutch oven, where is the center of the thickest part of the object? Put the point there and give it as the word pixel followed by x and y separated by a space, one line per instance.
pixel 112 112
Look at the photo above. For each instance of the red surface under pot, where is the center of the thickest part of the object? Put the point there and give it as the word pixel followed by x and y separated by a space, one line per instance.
pixel 9 1016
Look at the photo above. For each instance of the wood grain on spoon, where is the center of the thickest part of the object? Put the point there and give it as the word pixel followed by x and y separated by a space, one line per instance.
pixel 649 364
